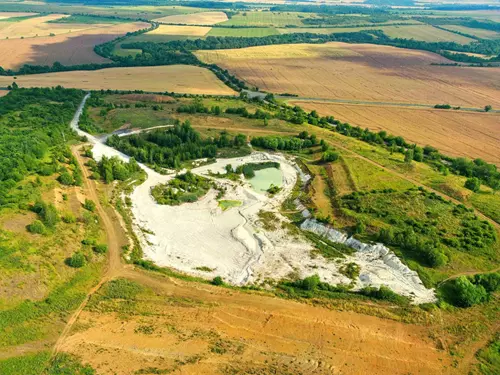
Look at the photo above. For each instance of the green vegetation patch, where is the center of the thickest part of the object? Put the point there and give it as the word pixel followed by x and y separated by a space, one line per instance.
pixel 183 188
pixel 31 364
pixel 489 357
pixel 225 204
pixel 169 148
pixel 419 221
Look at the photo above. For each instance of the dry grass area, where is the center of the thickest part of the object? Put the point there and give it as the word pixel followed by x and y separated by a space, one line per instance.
pixel 455 133
pixel 69 49
pixel 202 18
pixel 180 30
pixel 360 72
pixel 179 78
pixel 188 328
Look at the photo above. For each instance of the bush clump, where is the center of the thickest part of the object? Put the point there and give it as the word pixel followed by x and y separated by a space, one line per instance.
pixel 89 205
pixel 101 248
pixel 77 260
pixel 36 227
pixel 218 281
pixel 469 291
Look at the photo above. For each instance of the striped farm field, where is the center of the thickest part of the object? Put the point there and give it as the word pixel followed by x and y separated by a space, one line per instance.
pixel 180 30
pixel 201 18
pixel 364 72
pixel 418 32
pixel 260 18
pixel 480 33
pixel 455 133
pixel 178 78
pixel 425 33
pixel 245 32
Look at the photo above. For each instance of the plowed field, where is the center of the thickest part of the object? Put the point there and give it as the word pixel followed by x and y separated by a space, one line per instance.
pixel 360 72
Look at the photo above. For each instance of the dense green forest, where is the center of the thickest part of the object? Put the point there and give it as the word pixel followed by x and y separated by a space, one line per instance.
pixel 169 148
pixel 32 122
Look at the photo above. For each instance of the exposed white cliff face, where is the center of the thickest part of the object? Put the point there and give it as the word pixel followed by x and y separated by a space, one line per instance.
pixel 379 265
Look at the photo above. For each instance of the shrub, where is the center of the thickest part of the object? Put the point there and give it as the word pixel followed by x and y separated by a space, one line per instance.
pixel 89 241
pixel 68 218
pixel 217 280
pixel 66 179
pixel 36 227
pixel 309 283
pixel 329 156
pixel 467 294
pixel 101 248
pixel 122 289
pixel 89 205
pixel 77 260
pixel 383 293
pixel 473 184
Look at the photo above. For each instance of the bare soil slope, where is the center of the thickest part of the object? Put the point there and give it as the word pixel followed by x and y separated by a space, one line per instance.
pixel 198 329
pixel 360 72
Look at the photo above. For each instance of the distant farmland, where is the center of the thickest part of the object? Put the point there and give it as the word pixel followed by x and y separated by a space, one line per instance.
pixel 360 72
pixel 202 18
pixel 455 133
pixel 179 78
pixel 68 49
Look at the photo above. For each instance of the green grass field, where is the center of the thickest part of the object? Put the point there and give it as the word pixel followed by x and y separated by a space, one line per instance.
pixel 276 19
pixel 425 33
pixel 243 32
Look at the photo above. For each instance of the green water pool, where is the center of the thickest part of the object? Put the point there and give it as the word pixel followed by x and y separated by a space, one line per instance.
pixel 264 178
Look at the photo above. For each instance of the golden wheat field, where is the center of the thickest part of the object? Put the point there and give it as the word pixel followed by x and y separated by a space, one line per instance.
pixel 360 72
pixel 68 49
pixel 455 133
pixel 179 78
pixel 202 18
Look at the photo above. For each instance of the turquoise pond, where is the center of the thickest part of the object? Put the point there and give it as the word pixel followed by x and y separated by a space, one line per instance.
pixel 264 178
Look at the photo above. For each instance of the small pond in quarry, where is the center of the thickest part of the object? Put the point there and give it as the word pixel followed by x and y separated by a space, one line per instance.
pixel 264 178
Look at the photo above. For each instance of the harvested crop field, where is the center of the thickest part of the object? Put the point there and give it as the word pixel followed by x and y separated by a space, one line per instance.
pixel 202 18
pixel 68 49
pixel 455 133
pixel 246 32
pixel 37 27
pixel 425 33
pixel 360 72
pixel 179 78
pixel 178 327
pixel 180 30
pixel 6 15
